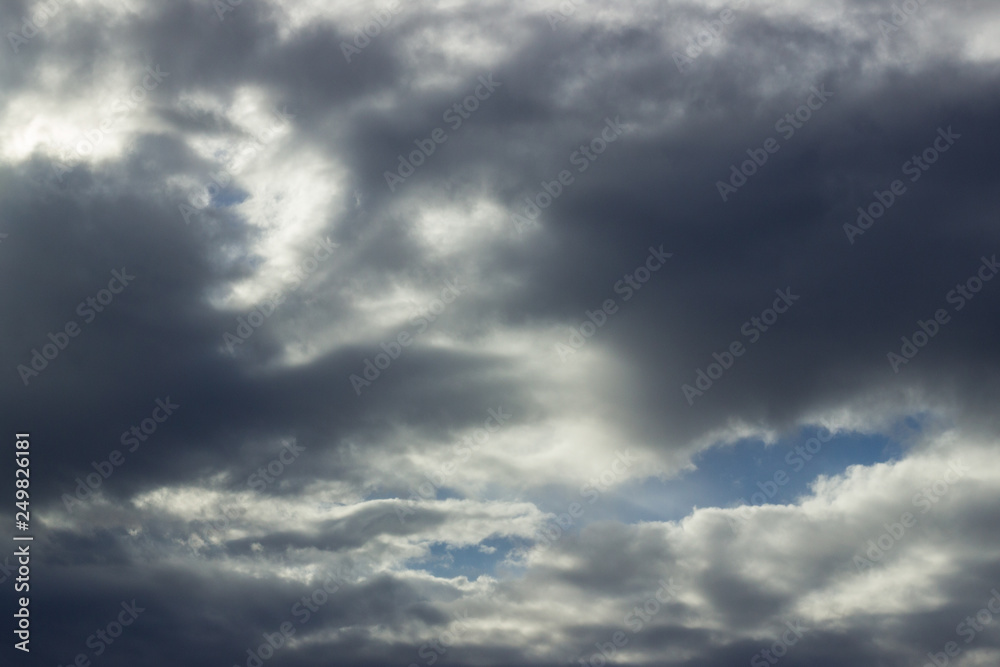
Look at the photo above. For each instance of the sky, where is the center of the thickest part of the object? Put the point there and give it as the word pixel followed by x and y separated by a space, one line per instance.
pixel 484 333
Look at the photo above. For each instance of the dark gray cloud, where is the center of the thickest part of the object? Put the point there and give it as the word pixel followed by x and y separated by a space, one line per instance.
pixel 101 174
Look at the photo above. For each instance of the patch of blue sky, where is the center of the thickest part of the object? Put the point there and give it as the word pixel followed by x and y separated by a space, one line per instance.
pixel 754 473
pixel 228 197
pixel 447 560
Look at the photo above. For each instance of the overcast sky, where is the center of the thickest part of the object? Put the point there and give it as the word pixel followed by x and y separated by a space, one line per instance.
pixel 483 333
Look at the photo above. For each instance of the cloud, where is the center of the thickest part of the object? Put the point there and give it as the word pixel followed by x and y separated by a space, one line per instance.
pixel 452 541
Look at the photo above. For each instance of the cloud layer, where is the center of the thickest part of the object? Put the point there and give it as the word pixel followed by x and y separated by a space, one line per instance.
pixel 404 324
